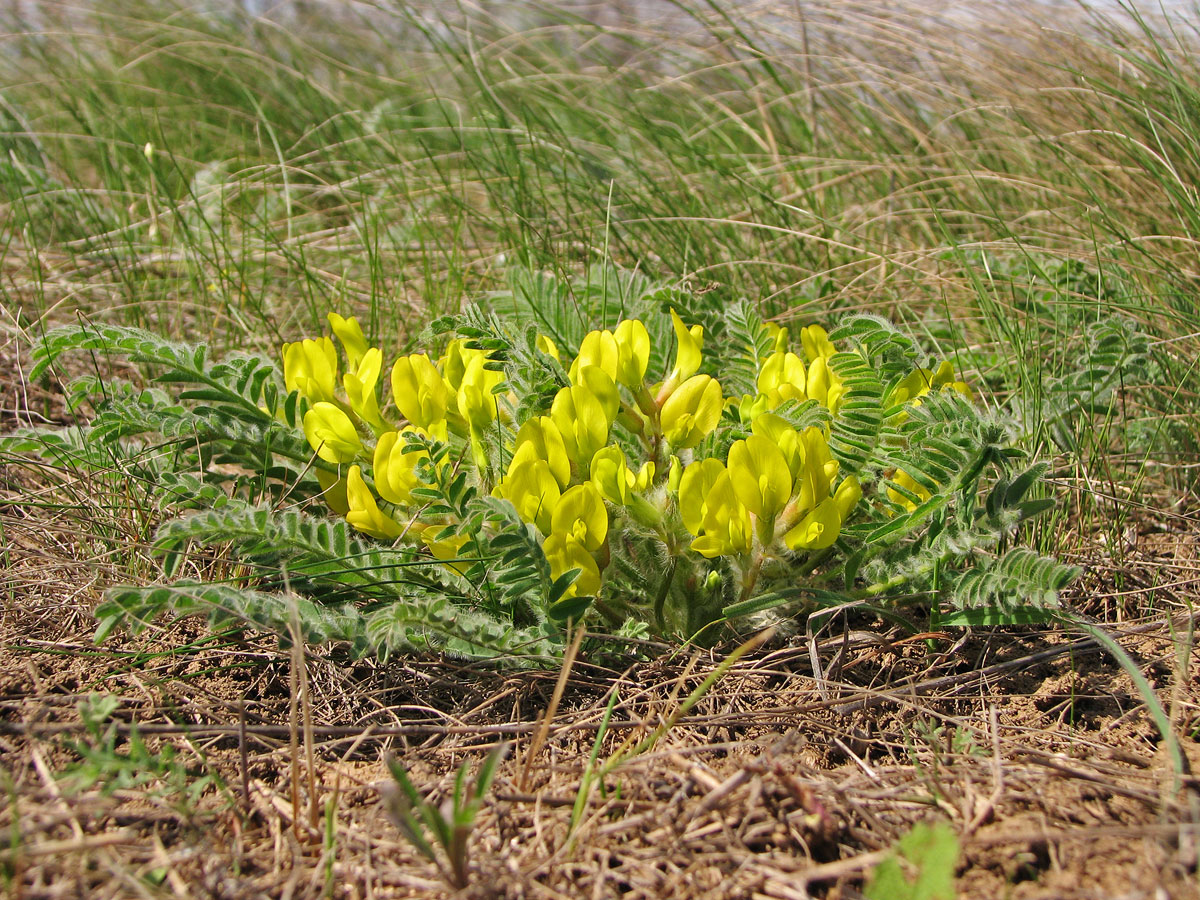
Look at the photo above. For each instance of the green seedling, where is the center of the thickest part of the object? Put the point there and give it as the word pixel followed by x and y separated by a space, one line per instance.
pixel 110 763
pixel 446 826
pixel 590 775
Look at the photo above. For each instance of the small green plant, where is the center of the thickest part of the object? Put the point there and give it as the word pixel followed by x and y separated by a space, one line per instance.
pixel 446 826
pixel 920 867
pixel 687 478
pixel 111 764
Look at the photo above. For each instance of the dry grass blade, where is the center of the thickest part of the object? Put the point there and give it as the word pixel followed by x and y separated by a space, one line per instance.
pixel 547 719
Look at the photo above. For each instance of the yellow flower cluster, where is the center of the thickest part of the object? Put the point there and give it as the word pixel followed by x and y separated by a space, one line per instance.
pixel 455 395
pixel 778 488
pixel 775 482
pixel 784 376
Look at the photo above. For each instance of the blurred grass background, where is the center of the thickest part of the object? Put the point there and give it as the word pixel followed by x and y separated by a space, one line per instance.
pixel 997 182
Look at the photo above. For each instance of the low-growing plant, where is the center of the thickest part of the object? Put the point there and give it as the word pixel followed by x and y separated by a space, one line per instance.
pixel 110 763
pixel 659 473
pixel 447 826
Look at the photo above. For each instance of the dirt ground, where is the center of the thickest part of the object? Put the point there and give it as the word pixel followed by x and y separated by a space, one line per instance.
pixel 790 779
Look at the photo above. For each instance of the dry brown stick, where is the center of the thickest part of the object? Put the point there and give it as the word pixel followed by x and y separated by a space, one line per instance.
pixel 547 718
pixel 74 845
pixel 294 726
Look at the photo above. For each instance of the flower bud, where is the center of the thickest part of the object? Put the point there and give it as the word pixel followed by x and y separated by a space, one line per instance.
pixel 689 342
pixel 547 346
pixel 350 334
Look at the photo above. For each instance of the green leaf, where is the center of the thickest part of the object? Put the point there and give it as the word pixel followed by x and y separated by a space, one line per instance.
pixel 571 608
pixel 992 616
pixel 920 868
pixel 560 585
pixel 1019 578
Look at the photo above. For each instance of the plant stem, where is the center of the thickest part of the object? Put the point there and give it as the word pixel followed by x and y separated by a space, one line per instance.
pixel 664 589
pixel 750 579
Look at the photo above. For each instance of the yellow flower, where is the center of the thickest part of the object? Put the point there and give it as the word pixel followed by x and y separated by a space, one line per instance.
pixel 690 342
pixel 779 336
pixel 818 469
pixel 580 515
pixel 532 489
pixel 333 491
pixel 364 513
pixel 821 527
pixel 419 391
pixel 547 346
pixel 921 381
pixel 815 341
pixel 726 529
pixel 394 469
pixel 779 431
pixel 603 388
pixel 331 433
pixel 674 474
pixel 578 528
pixel 564 553
pixel 598 348
pixel 310 367
pixel 823 384
pixel 694 486
pixel 633 353
pixel 351 336
pixel 455 360
pixel 751 406
pixel 541 437
pixel 360 388
pixel 910 484
pixel 692 411
pixel 581 421
pixel 783 378
pixel 476 400
pixel 612 478
pixel 445 548
pixel 760 476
